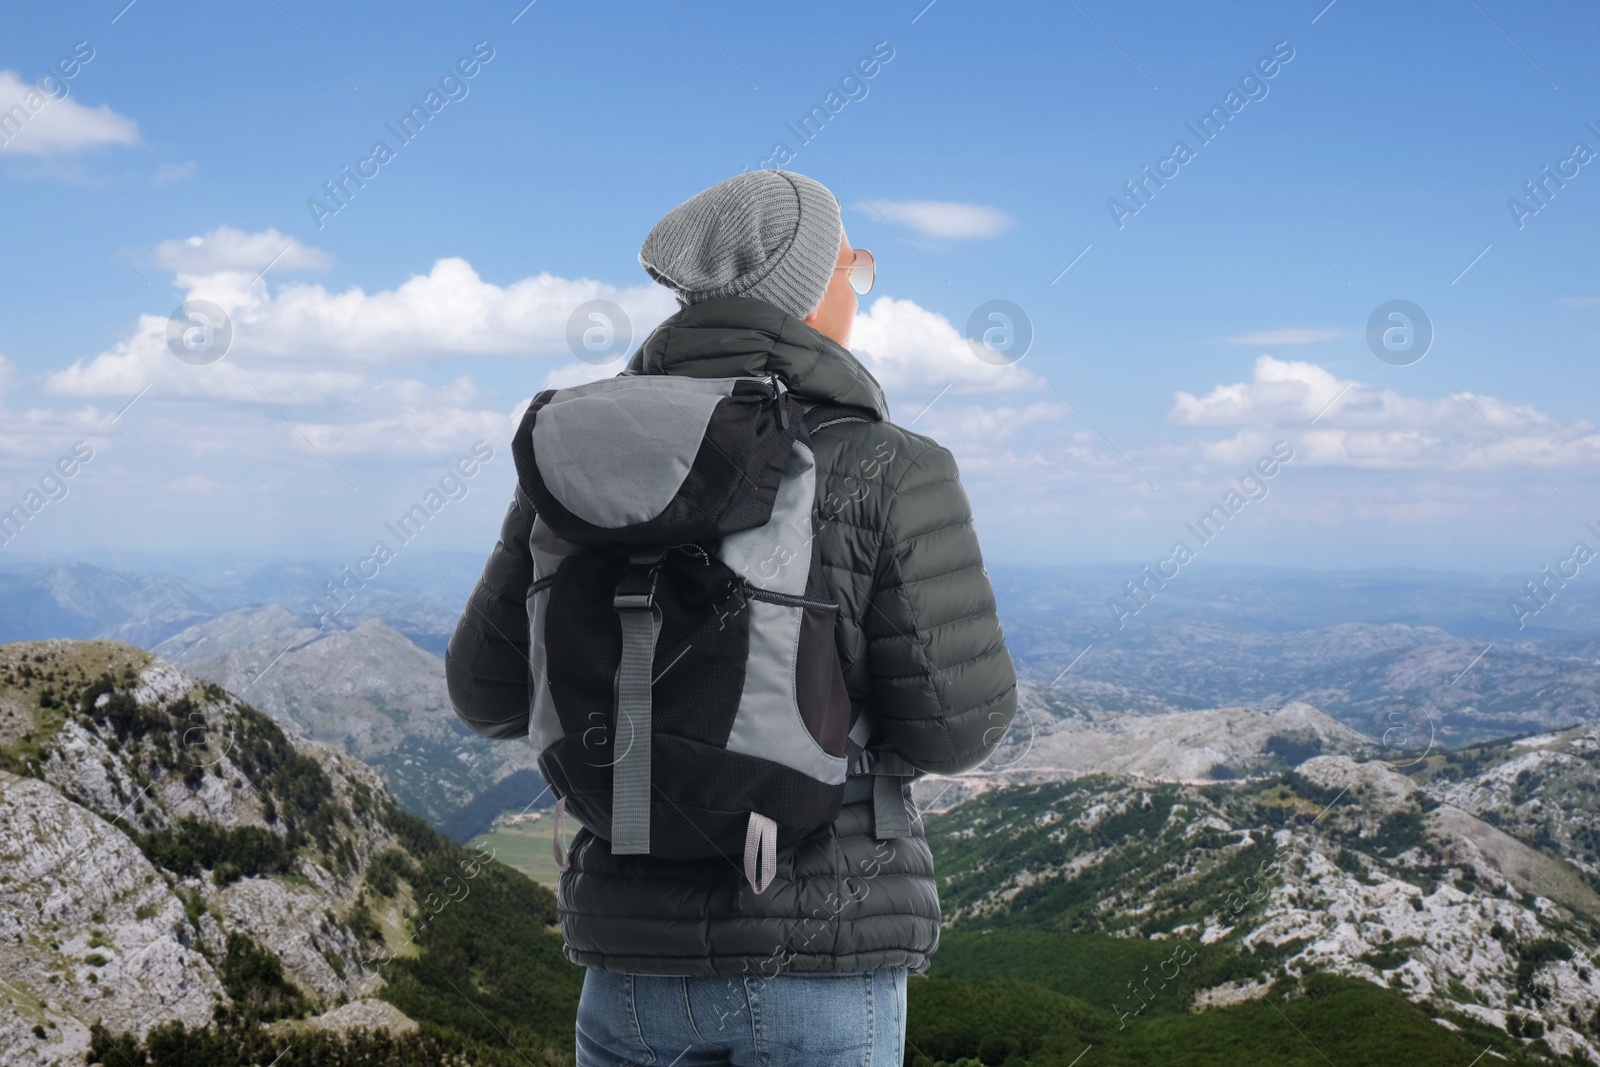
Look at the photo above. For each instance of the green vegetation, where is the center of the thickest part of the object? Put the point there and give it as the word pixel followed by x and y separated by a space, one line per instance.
pixel 1391 955
pixel 1033 944
pixel 527 847
pixel 489 984
pixel 490 970
pixel 1294 751
pixel 175 1045
pixel 1534 955
pixel 1398 832
pixel 1102 970
pixel 193 846
pixel 296 789
pixel 253 979
pixel 1298 1024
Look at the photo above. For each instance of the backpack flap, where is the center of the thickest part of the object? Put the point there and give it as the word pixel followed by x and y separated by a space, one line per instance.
pixel 641 459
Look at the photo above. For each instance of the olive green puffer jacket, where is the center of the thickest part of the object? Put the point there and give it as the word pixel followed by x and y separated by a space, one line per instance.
pixel 922 651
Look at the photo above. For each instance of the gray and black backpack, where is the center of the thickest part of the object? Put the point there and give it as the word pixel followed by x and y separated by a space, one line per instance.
pixel 687 697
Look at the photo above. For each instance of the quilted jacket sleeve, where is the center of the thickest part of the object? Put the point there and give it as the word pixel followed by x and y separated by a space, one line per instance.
pixel 486 662
pixel 943 685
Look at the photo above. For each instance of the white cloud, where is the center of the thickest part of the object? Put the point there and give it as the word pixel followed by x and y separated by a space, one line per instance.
pixel 311 344
pixel 197 484
pixel 34 123
pixel 1280 391
pixel 328 358
pixel 228 249
pixel 944 218
pixel 173 173
pixel 906 346
pixel 1360 425
pixel 410 418
pixel 577 372
pixel 1290 336
pixel 448 311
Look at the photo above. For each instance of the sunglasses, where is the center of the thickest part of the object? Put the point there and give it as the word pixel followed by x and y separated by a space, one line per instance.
pixel 863 271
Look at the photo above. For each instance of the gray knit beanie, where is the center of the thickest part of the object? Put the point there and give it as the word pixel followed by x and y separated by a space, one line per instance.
pixel 769 234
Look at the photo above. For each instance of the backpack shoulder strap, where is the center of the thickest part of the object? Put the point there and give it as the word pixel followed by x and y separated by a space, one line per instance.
pixel 879 773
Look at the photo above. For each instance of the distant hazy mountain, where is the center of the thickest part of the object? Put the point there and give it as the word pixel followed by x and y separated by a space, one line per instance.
pixel 80 600
pixel 420 597
pixel 1281 599
pixel 1374 677
pixel 1434 659
pixel 1056 738
pixel 369 692
pixel 183 880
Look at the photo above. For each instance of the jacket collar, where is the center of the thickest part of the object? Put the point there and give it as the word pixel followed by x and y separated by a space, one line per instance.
pixel 739 336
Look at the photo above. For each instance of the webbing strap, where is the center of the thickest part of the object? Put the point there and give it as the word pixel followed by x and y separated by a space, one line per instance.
pixel 556 846
pixel 861 731
pixel 630 782
pixel 885 769
pixel 760 848
pixel 630 785
pixel 889 815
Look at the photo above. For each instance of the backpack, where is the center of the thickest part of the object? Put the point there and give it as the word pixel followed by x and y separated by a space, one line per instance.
pixel 686 695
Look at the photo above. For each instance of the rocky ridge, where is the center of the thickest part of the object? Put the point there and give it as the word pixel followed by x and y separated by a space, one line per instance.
pixel 1339 866
pixel 168 854
pixel 368 691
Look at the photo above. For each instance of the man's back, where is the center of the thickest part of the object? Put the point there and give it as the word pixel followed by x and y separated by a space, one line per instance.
pixel 922 652
pixel 919 641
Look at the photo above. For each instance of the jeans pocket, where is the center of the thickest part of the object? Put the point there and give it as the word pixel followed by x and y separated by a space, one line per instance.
pixel 608 1021
pixel 799 1018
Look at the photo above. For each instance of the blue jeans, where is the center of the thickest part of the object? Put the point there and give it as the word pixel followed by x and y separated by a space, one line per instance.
pixel 792 1018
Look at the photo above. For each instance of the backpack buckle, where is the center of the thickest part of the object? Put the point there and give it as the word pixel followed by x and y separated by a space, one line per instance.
pixel 636 591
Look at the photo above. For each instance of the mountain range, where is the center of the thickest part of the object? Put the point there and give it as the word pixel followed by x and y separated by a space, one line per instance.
pixel 419 594
pixel 1349 910
pixel 375 695
pixel 183 880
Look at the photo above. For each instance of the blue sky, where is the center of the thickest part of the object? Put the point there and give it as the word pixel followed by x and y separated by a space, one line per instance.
pixel 977 162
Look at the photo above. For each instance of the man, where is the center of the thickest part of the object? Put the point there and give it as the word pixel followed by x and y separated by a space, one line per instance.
pixel 685 965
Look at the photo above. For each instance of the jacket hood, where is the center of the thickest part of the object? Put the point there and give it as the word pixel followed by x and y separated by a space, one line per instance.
pixel 738 335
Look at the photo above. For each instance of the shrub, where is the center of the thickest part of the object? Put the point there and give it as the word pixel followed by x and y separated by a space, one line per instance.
pixel 253 979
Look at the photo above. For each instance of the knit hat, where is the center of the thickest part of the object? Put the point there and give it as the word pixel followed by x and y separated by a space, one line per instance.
pixel 769 234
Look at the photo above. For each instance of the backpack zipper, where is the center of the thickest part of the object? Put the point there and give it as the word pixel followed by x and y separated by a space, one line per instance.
pixel 787 599
pixel 777 400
